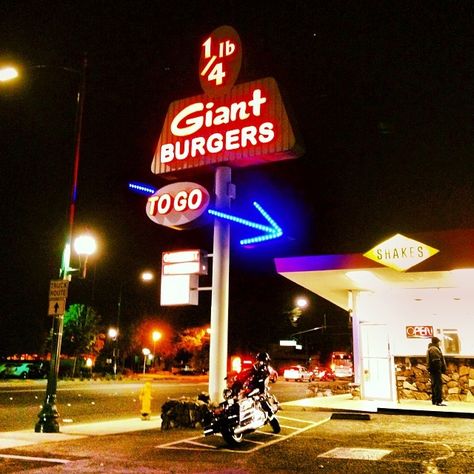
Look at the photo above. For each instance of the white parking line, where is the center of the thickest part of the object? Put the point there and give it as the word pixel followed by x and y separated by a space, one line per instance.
pixel 197 446
pixel 34 458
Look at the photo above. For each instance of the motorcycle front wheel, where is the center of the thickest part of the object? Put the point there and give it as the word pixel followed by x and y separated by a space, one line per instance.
pixel 231 438
pixel 275 424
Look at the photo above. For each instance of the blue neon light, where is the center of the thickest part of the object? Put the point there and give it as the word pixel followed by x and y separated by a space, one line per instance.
pixel 141 188
pixel 273 231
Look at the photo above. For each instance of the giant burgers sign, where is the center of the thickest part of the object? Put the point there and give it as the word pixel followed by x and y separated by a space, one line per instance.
pixel 237 125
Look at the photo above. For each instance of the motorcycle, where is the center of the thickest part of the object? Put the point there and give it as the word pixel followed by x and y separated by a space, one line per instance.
pixel 241 413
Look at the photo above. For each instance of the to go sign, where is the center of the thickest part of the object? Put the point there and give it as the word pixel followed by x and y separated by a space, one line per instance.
pixel 177 204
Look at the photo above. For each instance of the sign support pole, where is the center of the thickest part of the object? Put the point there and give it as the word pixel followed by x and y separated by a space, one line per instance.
pixel 220 287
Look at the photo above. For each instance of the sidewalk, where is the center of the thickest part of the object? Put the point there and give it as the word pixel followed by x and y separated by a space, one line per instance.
pixel 15 439
pixel 346 403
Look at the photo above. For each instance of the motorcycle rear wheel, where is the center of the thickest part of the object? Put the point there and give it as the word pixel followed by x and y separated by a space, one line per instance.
pixel 275 424
pixel 231 438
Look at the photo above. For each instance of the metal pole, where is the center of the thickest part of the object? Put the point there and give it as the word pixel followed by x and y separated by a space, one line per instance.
pixel 48 416
pixel 116 341
pixel 220 288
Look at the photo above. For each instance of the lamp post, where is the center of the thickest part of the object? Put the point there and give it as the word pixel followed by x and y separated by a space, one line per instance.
pixel 48 416
pixel 113 334
pixel 146 353
pixel 145 276
pixel 156 336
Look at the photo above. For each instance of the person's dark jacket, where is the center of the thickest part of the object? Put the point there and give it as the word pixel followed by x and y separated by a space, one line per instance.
pixel 435 359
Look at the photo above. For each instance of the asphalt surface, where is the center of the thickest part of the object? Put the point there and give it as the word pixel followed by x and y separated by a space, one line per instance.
pixel 331 441
pixel 309 442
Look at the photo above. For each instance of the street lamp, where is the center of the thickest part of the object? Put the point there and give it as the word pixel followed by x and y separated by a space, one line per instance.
pixel 8 73
pixel 295 313
pixel 84 245
pixel 156 336
pixel 48 416
pixel 145 276
pixel 301 302
pixel 113 334
pixel 146 353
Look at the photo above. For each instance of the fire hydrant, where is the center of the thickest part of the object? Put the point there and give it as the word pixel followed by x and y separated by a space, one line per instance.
pixel 145 397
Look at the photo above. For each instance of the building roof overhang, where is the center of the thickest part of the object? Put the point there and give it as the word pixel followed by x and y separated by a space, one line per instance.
pixel 329 276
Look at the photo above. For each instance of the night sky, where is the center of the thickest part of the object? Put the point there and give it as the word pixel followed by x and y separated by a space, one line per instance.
pixel 382 93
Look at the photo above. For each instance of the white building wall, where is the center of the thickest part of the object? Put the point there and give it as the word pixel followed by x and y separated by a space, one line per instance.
pixel 428 307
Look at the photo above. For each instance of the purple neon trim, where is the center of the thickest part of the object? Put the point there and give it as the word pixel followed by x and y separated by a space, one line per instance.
pixel 323 262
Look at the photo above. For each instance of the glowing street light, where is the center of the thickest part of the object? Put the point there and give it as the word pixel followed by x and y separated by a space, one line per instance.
pixel 8 73
pixel 147 276
pixel 301 302
pixel 295 313
pixel 84 245
pixel 146 353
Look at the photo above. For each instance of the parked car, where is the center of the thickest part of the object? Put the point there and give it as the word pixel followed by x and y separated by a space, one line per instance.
pixel 26 370
pixel 322 374
pixel 3 368
pixel 298 373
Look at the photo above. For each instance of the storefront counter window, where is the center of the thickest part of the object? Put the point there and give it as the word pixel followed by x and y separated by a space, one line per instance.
pixel 451 342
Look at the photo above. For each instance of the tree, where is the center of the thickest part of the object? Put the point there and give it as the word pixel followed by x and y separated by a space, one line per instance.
pixel 141 336
pixel 81 335
pixel 193 347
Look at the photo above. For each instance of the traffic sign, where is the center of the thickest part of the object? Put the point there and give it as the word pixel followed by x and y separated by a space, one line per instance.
pixel 58 289
pixel 56 307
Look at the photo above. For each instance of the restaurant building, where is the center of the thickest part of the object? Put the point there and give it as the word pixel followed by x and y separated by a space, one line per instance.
pixel 399 294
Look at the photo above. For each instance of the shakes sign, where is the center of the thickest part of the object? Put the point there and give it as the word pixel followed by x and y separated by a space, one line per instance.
pixel 238 125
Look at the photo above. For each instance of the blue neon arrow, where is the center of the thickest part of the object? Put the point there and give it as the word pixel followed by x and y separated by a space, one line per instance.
pixel 272 231
pixel 141 188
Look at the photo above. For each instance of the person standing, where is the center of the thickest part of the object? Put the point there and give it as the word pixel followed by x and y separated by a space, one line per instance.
pixel 436 367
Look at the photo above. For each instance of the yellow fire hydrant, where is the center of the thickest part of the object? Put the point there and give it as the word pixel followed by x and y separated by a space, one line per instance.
pixel 145 397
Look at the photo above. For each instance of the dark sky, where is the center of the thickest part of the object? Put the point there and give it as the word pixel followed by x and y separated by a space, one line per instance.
pixel 382 93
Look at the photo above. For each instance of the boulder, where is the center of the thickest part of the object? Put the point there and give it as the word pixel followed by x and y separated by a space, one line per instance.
pixel 409 386
pixel 183 413
pixel 464 370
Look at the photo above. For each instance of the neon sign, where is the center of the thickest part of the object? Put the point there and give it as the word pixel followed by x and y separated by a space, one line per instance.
pixel 271 231
pixel 418 332
pixel 220 61
pixel 241 125
pixel 400 252
pixel 177 204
